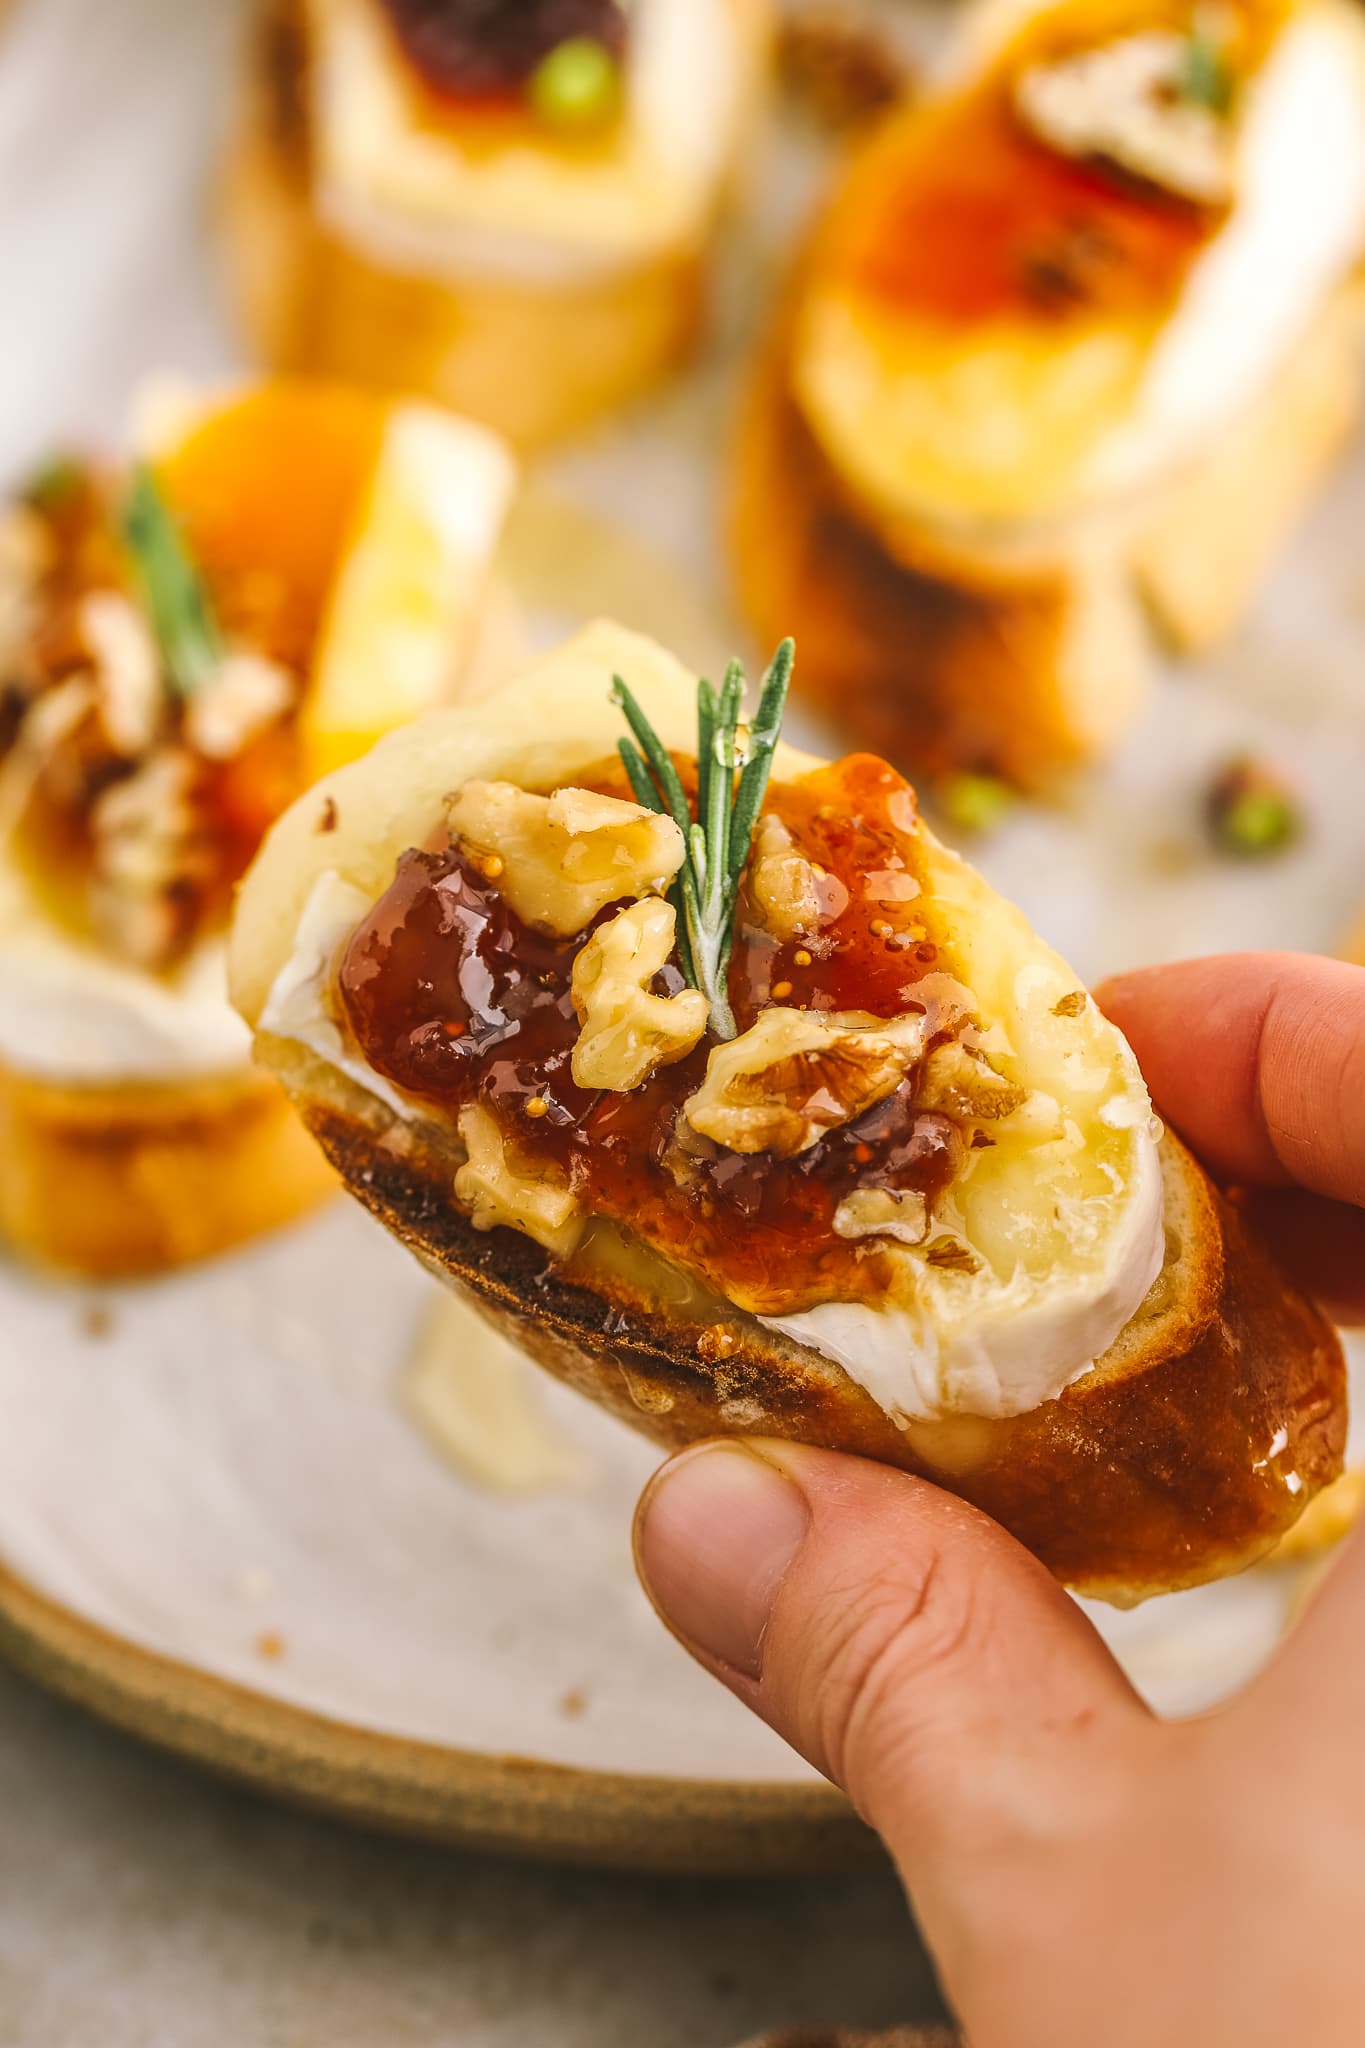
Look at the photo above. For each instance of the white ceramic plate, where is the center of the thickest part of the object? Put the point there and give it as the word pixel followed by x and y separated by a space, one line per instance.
pixel 217 1525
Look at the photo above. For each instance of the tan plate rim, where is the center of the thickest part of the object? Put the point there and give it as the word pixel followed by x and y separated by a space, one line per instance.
pixel 517 1805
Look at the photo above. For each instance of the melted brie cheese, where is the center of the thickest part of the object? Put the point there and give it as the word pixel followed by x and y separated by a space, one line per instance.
pixel 986 430
pixel 1297 230
pixel 71 1014
pixel 414 196
pixel 300 1006
pixel 999 1349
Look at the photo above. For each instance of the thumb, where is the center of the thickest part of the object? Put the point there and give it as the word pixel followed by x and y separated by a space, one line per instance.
pixel 904 1644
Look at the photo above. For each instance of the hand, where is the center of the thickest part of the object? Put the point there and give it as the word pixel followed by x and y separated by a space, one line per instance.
pixel 1086 1875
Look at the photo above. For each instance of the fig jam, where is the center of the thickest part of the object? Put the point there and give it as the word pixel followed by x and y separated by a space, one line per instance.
pixel 455 1000
pixel 487 49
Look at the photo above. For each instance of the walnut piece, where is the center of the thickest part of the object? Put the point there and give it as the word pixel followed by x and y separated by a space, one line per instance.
pixel 561 859
pixel 628 1032
pixel 901 1213
pixel 26 553
pixel 151 856
pixel 500 1190
pixel 797 1074
pixel 784 887
pixel 1126 101
pixel 245 694
pixel 127 670
pixel 962 1082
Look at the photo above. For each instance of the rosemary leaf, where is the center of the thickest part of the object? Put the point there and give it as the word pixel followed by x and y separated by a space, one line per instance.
pixel 763 737
pixel 641 781
pixel 716 842
pixel 656 754
pixel 171 587
pixel 1207 79
pixel 647 795
pixel 706 739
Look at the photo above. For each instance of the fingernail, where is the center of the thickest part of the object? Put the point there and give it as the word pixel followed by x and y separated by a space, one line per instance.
pixel 714 1535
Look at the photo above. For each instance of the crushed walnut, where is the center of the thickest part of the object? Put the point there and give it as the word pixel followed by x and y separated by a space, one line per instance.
pixel 245 694
pixel 788 894
pixel 151 856
pixel 127 672
pixel 25 558
pixel 628 1032
pixel 563 858
pixel 1128 103
pixel 960 1081
pixel 900 1213
pixel 125 713
pixel 839 63
pixel 796 1074
pixel 497 1189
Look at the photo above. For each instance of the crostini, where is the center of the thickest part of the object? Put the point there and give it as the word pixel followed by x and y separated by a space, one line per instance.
pixel 185 643
pixel 784 1123
pixel 1072 344
pixel 507 206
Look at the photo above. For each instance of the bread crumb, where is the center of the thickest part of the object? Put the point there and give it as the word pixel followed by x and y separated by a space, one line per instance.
pixel 573 1704
pixel 270 1644
pixel 97 1320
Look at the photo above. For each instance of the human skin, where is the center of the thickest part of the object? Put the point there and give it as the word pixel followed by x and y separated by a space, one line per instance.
pixel 1086 1875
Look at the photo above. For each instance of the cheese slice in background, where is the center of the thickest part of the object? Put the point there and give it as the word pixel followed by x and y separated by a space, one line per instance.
pixel 380 519
pixel 407 602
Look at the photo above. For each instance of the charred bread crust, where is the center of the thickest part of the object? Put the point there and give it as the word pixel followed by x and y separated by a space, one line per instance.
pixel 1183 1456
pixel 534 361
pixel 111 1182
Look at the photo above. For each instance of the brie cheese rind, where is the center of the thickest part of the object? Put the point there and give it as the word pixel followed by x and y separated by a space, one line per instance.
pixel 418 197
pixel 1059 1220
pixel 1029 417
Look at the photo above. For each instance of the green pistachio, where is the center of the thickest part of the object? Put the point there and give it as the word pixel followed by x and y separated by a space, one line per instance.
pixel 1252 812
pixel 974 803
pixel 577 85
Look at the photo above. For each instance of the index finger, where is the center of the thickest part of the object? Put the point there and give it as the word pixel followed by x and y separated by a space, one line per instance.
pixel 1258 1060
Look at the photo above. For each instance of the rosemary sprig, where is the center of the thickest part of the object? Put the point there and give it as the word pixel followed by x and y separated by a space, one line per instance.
pixel 1207 78
pixel 731 784
pixel 172 589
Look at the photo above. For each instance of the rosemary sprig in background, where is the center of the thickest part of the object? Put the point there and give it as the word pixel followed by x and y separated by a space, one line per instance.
pixel 731 785
pixel 172 589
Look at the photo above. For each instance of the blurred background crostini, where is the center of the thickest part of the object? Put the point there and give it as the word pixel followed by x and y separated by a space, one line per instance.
pixel 1063 360
pixel 510 209
pixel 280 574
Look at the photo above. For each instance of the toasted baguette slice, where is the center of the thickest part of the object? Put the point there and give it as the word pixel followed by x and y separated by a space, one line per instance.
pixel 1197 1439
pixel 1000 432
pixel 1023 673
pixel 110 1182
pixel 534 358
pixel 1033 662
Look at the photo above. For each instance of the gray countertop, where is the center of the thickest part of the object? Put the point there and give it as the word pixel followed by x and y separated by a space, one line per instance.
pixel 144 1906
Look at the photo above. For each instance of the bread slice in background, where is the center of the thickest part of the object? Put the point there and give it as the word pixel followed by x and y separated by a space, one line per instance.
pixel 1032 661
pixel 113 1181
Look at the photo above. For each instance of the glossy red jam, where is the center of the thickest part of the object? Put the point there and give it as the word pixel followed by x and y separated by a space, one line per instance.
pixel 454 999
pixel 485 50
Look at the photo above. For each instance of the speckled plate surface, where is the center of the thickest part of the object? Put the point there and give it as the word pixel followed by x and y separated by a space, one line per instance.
pixel 221 1528
pixel 218 1526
